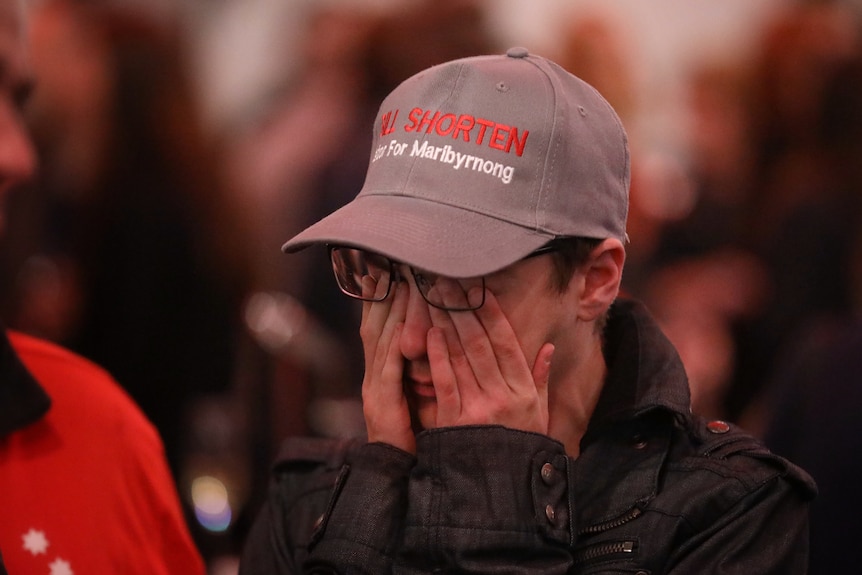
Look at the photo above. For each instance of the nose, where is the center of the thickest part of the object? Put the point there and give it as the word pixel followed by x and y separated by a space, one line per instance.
pixel 17 156
pixel 417 322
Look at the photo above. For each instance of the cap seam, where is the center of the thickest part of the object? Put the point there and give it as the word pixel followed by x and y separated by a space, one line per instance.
pixel 424 138
pixel 550 159
pixel 626 152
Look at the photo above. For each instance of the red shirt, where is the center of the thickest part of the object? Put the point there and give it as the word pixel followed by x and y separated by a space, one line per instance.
pixel 85 488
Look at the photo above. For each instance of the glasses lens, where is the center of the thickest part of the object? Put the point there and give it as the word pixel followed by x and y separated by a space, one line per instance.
pixel 448 293
pixel 361 274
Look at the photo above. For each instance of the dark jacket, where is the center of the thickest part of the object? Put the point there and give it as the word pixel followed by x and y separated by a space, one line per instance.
pixel 654 491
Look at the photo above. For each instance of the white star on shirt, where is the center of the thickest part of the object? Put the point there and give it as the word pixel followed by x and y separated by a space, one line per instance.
pixel 60 567
pixel 35 541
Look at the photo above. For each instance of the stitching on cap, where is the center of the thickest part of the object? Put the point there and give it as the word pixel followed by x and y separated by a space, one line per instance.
pixel 550 157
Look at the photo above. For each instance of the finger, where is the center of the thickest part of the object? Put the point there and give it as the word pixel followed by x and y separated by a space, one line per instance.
pixel 508 356
pixel 443 377
pixel 478 342
pixel 451 292
pixel 369 288
pixel 387 416
pixel 378 383
pixel 372 288
pixel 542 371
pixel 376 289
pixel 391 386
pixel 380 321
pixel 456 354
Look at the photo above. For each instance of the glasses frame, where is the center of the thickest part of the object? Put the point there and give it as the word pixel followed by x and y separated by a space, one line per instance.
pixel 418 275
pixel 396 275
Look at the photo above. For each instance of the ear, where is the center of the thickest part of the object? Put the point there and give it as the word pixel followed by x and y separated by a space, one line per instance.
pixel 602 274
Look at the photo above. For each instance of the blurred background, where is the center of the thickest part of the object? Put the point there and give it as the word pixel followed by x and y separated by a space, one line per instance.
pixel 183 141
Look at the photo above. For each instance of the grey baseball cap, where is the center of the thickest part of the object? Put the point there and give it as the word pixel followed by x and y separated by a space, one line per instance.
pixel 477 162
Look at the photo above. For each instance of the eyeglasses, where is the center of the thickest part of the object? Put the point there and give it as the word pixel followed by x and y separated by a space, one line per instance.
pixel 369 276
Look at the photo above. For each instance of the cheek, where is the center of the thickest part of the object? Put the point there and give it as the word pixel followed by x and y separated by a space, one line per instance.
pixel 535 310
pixel 539 319
pixel 534 325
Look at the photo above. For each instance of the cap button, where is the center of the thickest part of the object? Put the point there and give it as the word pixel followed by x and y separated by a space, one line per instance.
pixel 517 52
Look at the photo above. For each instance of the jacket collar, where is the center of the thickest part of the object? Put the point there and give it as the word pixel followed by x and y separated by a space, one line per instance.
pixel 645 393
pixel 644 369
pixel 22 399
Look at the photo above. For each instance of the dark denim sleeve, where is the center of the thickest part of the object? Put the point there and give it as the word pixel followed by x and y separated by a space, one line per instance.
pixel 745 510
pixel 765 533
pixel 319 489
pixel 484 498
pixel 473 500
pixel 361 530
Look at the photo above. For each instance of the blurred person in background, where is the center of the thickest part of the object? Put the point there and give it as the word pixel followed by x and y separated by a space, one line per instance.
pixel 84 483
pixel 805 210
pixel 703 277
pixel 812 403
pixel 765 249
pixel 126 249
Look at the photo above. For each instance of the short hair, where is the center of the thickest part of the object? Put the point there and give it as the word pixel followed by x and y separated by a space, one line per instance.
pixel 568 254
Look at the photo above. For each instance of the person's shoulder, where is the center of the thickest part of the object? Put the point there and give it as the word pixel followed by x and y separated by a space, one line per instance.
pixel 731 454
pixel 76 384
pixel 42 355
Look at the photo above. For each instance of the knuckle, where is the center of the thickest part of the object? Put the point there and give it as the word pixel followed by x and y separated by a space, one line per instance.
pixel 459 361
pixel 475 347
pixel 507 352
pixel 368 333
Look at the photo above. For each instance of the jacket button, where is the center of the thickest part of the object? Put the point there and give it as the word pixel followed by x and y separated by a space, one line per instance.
pixel 547 473
pixel 717 426
pixel 550 513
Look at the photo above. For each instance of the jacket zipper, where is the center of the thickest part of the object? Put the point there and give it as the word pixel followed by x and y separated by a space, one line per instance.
pixel 633 513
pixel 599 550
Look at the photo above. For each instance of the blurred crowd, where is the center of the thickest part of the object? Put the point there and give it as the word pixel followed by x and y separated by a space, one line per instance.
pixel 150 240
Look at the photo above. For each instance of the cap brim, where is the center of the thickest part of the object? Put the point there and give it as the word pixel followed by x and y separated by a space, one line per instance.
pixel 434 237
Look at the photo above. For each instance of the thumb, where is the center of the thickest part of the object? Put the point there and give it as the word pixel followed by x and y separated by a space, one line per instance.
pixel 542 371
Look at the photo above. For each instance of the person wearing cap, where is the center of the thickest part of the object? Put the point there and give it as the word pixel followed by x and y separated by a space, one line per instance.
pixel 521 417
